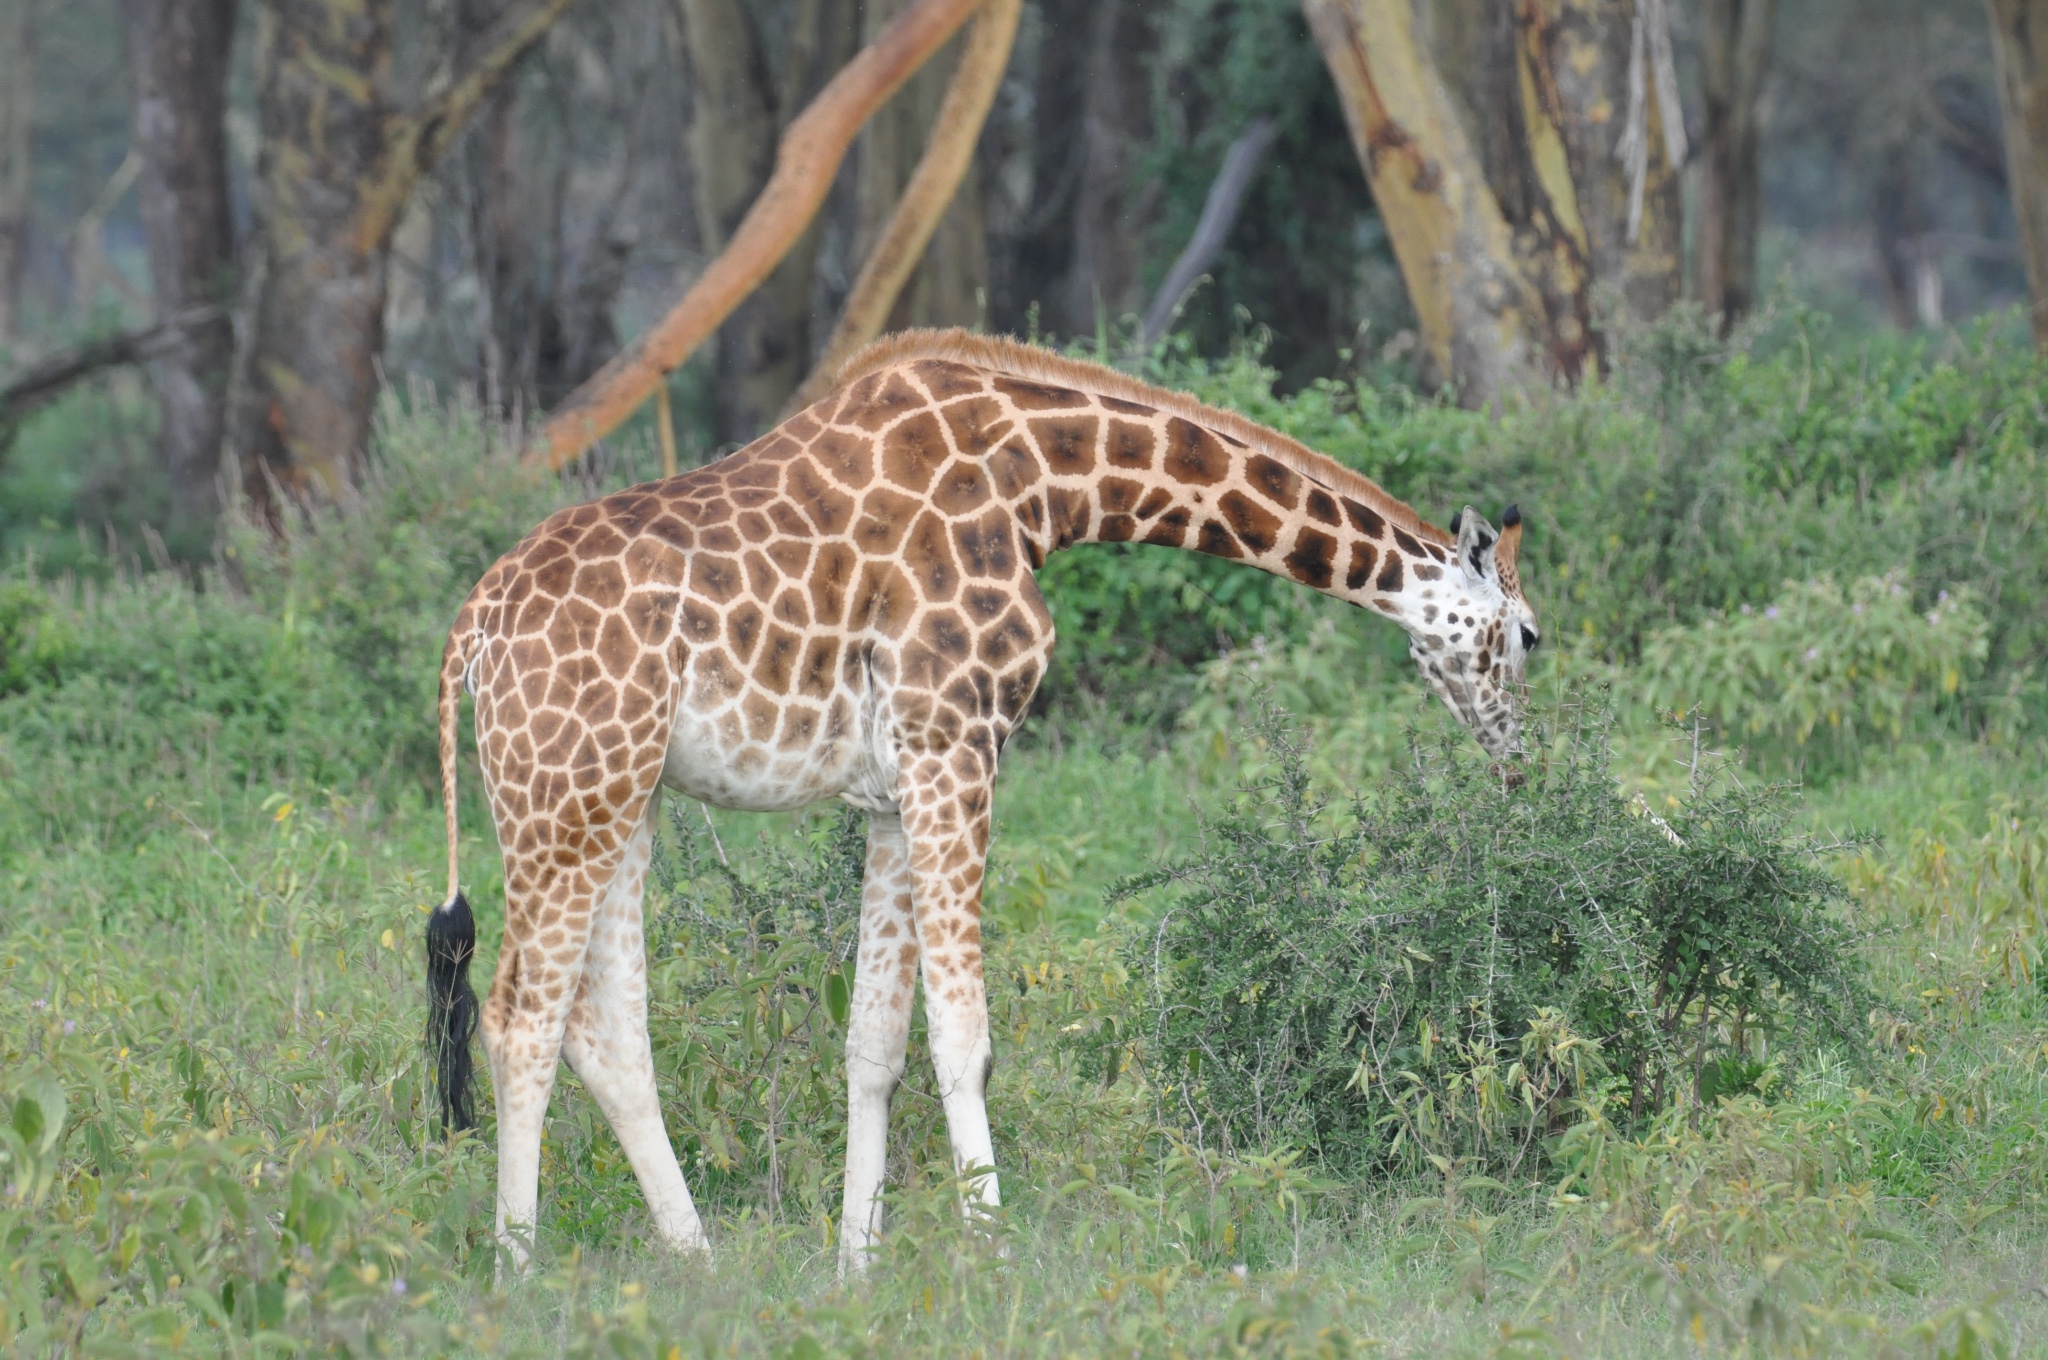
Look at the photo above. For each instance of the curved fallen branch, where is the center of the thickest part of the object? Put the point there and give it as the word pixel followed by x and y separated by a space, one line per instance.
pixel 955 131
pixel 805 163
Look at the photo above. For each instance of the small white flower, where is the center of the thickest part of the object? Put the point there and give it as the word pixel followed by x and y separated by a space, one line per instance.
pixel 1941 598
pixel 1813 653
pixel 1771 613
pixel 398 1286
pixel 1856 608
pixel 1746 609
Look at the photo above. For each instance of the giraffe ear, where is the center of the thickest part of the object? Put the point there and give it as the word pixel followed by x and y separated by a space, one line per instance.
pixel 1476 540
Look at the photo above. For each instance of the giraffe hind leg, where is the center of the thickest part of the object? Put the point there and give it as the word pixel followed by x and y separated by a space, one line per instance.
pixel 877 1032
pixel 606 1042
pixel 523 1022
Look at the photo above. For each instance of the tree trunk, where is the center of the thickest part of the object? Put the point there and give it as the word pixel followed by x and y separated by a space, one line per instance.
pixel 179 52
pixel 1043 245
pixel 2019 33
pixel 544 198
pixel 1622 217
pixel 1896 224
pixel 1735 50
pixel 740 105
pixel 507 274
pixel 1532 196
pixel 1483 322
pixel 17 112
pixel 764 345
pixel 1495 60
pixel 339 161
pixel 1116 119
pixel 949 287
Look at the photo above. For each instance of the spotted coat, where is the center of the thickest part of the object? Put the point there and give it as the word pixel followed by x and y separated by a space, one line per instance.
pixel 847 608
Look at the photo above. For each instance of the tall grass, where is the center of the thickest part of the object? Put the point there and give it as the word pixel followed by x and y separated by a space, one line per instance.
pixel 217 834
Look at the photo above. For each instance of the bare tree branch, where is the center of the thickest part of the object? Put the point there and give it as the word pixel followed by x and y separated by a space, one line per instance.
pixel 46 381
pixel 805 163
pixel 1219 215
pixel 955 132
pixel 417 138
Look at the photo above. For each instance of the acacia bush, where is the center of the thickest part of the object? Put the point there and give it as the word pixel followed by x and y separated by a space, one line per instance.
pixel 1447 969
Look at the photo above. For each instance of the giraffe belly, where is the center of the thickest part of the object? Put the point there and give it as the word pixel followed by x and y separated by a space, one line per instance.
pixel 712 758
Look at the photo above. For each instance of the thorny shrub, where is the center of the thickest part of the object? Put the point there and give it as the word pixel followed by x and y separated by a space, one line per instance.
pixel 1443 971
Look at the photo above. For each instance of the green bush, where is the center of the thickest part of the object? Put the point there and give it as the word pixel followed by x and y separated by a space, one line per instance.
pixel 33 646
pixel 1818 660
pixel 206 1242
pixel 1444 968
pixel 376 582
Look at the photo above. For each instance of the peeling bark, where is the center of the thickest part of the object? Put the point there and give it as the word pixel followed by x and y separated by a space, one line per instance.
pixel 1482 321
pixel 2019 30
pixel 1524 162
pixel 1574 77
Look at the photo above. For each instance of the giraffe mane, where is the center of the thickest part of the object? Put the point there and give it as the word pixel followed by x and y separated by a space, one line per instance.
pixel 1014 358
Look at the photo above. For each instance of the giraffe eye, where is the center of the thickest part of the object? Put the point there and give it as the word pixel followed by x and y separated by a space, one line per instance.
pixel 1529 638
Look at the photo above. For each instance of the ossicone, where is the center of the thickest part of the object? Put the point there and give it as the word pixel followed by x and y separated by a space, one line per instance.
pixel 1507 553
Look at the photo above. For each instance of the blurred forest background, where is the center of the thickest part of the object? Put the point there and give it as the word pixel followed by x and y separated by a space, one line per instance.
pixel 494 194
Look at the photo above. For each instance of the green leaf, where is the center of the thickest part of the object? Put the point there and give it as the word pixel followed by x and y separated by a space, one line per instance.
pixel 28 1120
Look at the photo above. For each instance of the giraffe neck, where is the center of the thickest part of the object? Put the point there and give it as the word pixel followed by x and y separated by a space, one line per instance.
pixel 1095 467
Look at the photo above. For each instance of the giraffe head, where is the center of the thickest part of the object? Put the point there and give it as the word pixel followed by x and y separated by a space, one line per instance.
pixel 1472 640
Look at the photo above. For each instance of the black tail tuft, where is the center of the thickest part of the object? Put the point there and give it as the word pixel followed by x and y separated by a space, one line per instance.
pixel 451 1010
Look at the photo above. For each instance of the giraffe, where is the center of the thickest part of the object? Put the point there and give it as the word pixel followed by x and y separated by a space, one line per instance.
pixel 847 608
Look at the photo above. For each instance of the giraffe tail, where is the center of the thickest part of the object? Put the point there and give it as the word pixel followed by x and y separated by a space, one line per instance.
pixel 451 929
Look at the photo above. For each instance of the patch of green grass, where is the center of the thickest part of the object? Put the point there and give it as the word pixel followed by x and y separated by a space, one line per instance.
pixel 218 832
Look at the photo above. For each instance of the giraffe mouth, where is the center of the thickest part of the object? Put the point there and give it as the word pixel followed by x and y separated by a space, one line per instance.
pixel 1493 720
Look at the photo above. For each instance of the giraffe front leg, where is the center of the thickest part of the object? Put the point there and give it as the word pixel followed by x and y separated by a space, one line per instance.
pixel 606 1043
pixel 877 1032
pixel 946 818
